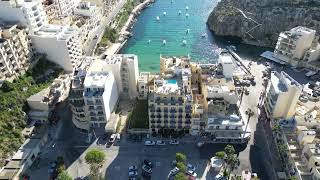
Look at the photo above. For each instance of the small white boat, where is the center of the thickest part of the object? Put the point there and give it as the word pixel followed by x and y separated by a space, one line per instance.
pixel 187 7
pixel 203 35
pixel 164 42
pixel 179 12
pixel 158 18
pixel 187 31
pixel 187 15
pixel 164 13
pixel 149 41
pixel 184 42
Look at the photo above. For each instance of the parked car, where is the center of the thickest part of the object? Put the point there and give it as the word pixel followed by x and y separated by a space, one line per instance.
pixel 190 167
pixel 161 143
pixel 303 98
pixel 174 171
pixel 118 136
pixel 132 174
pixel 133 179
pixel 192 173
pixel 218 177
pixel 174 142
pixel 149 143
pixel 112 138
pixel 147 162
pixel 133 168
pixel 147 169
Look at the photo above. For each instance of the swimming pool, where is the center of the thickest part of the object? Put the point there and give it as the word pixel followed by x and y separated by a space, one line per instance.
pixel 172 81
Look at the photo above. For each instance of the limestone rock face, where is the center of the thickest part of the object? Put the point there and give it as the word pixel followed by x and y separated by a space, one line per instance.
pixel 260 21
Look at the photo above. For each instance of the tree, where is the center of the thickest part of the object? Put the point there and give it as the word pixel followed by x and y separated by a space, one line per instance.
pixel 64 176
pixel 181 157
pixel 180 176
pixel 95 159
pixel 232 159
pixel 220 154
pixel 182 167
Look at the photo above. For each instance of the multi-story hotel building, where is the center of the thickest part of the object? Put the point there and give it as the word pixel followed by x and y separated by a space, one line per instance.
pixel 198 98
pixel 282 96
pixel 298 46
pixel 61 45
pixel 29 13
pixel 126 72
pixel 15 51
pixel 100 94
pixel 87 18
pixel 170 100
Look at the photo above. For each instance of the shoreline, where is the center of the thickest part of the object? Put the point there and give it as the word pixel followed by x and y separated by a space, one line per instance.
pixel 125 33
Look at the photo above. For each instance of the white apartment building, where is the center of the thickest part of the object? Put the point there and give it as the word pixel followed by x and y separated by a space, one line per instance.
pixel 282 96
pixel 61 45
pixel 126 72
pixel 76 98
pixel 29 13
pixel 225 59
pixel 143 85
pixel 87 18
pixel 66 7
pixel 100 94
pixel 299 43
pixel 15 51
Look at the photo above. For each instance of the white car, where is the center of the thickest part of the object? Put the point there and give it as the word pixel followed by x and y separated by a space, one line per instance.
pixel 161 143
pixel 174 171
pixel 147 169
pixel 149 143
pixel 218 177
pixel 112 138
pixel 192 173
pixel 174 142
pixel 132 174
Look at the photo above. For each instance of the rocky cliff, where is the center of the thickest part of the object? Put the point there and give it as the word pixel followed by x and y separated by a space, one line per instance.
pixel 260 21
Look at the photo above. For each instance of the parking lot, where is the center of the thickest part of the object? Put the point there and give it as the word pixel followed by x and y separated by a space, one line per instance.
pixel 134 153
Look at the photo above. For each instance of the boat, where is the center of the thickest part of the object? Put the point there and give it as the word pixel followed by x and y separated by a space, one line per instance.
pixel 164 42
pixel 187 31
pixel 149 41
pixel 203 35
pixel 179 12
pixel 187 15
pixel 184 42
pixel 187 7
pixel 164 13
pixel 158 18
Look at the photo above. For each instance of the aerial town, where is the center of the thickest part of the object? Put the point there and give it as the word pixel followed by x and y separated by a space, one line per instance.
pixel 159 89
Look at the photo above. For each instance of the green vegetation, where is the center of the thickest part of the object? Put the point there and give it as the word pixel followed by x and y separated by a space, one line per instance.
pixel 231 159
pixel 95 159
pixel 181 164
pixel 123 16
pixel 220 154
pixel 181 157
pixel 13 103
pixel 110 35
pixel 138 118
pixel 180 176
pixel 64 176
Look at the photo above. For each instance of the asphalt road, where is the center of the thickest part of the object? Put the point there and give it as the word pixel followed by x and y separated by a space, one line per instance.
pixel 105 21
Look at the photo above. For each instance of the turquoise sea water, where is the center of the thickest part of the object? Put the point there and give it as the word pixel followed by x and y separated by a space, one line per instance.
pixel 172 28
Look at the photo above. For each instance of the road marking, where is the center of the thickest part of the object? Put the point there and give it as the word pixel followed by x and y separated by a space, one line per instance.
pixel 158 164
